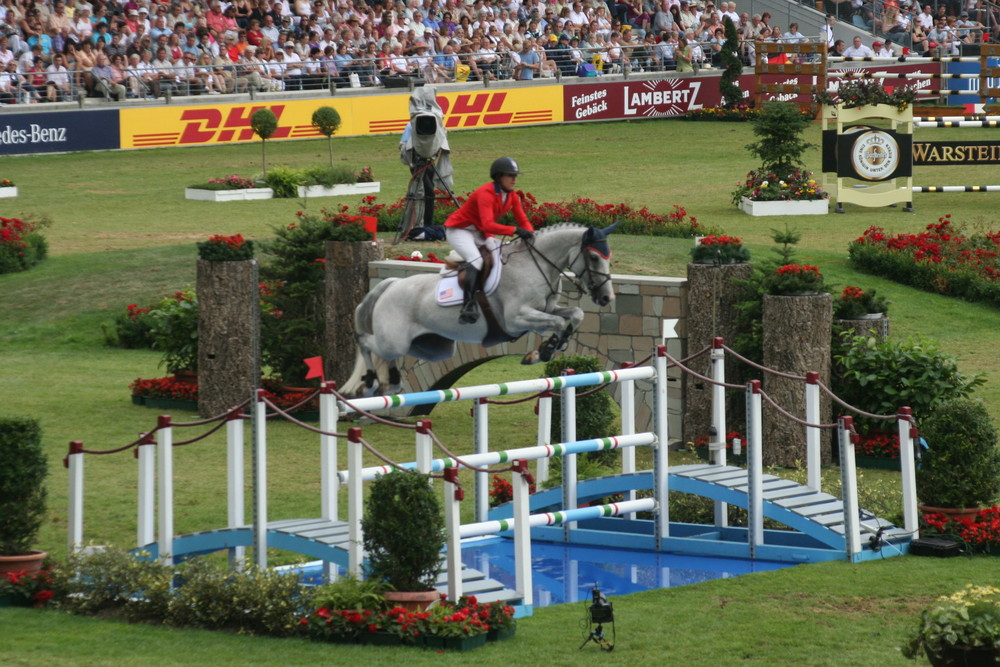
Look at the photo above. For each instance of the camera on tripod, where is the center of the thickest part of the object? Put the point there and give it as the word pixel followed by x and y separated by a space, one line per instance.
pixel 601 611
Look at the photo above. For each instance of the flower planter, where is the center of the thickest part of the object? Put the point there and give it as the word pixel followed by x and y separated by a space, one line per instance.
pixel 243 194
pixel 138 399
pixel 380 639
pixel 963 656
pixel 500 634
pixel 950 512
pixel 876 462
pixel 30 562
pixel 802 207
pixel 170 403
pixel 339 190
pixel 414 601
pixel 731 459
pixel 12 600
pixel 455 643
pixel 8 192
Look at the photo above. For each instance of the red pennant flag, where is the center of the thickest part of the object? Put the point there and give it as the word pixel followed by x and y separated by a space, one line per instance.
pixel 315 365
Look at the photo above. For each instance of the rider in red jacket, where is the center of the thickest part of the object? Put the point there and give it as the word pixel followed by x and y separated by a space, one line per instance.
pixel 474 225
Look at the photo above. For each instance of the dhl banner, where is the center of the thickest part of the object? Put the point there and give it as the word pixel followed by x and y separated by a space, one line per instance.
pixel 377 114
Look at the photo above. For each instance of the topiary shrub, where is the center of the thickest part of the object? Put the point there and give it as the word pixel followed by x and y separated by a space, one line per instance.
pixel 22 484
pixel 961 467
pixel 326 120
pixel 594 416
pixel 403 530
pixel 732 68
pixel 264 123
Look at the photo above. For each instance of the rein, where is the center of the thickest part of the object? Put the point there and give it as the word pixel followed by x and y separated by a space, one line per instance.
pixel 582 288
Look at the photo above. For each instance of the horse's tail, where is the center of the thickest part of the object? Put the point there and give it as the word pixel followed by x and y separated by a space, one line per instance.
pixel 363 325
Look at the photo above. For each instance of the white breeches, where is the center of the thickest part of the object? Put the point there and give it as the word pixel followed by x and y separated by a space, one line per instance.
pixel 467 241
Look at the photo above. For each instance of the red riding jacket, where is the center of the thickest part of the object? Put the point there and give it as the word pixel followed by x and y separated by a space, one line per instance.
pixel 484 207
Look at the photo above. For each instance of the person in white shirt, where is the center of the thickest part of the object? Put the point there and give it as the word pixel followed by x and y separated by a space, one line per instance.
pixel 881 50
pixel 826 32
pixel 57 79
pixel 793 36
pixel 731 13
pixel 577 16
pixel 858 50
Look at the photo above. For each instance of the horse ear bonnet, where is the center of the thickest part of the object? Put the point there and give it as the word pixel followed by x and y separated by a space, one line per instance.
pixel 597 240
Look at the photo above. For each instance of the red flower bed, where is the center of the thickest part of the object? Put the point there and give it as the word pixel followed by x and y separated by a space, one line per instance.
pixel 981 532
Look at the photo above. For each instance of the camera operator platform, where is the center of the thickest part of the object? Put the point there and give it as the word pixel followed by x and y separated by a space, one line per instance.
pixel 424 149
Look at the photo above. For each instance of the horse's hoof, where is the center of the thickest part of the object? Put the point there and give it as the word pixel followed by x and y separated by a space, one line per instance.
pixel 530 358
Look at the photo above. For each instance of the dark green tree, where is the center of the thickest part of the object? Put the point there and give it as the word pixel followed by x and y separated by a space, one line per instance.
pixel 23 468
pixel 780 145
pixel 264 123
pixel 732 68
pixel 327 121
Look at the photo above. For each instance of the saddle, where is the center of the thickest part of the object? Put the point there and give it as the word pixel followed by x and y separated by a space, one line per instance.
pixel 449 287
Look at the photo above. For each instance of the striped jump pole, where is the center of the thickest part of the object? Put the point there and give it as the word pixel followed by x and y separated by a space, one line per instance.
pixel 903 75
pixel 904 59
pixel 374 403
pixel 506 456
pixel 559 517
pixel 956 188
pixel 951 119
pixel 957 123
pixel 930 91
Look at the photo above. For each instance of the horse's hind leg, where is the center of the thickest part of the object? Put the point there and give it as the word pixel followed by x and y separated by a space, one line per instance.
pixel 395 380
pixel 370 378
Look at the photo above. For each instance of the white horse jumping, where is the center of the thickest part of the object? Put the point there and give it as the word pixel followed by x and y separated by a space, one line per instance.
pixel 401 316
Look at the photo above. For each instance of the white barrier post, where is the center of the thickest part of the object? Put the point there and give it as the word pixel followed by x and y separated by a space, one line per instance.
pixel 234 483
pixel 328 451
pixel 718 357
pixel 522 481
pixel 907 461
pixel 259 417
pixel 453 495
pixel 569 460
pixel 74 519
pixel 628 428
pixel 481 445
pixel 355 554
pixel 661 464
pixel 145 452
pixel 814 460
pixel 425 450
pixel 165 456
pixel 755 468
pixel 849 488
pixel 543 408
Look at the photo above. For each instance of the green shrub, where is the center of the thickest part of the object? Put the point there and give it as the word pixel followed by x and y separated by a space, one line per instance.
pixel 250 601
pixel 594 416
pixel 116 582
pixel 131 330
pixel 327 121
pixel 403 530
pixel 880 377
pixel 23 468
pixel 284 181
pixel 174 330
pixel 328 176
pixel 349 592
pixel 961 467
pixel 264 123
pixel 22 245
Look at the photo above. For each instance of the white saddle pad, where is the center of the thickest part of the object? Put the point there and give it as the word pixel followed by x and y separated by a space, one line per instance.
pixel 449 291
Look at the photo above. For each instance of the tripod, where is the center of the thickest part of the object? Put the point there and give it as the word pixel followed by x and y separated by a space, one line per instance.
pixel 596 635
pixel 421 195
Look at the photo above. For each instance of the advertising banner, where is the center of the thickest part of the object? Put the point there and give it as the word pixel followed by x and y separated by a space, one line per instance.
pixel 57 132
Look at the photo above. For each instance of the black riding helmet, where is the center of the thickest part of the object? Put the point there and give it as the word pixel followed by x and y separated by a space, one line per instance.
pixel 503 165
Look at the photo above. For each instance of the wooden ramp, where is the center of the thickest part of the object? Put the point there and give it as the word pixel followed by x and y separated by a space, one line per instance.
pixel 320 539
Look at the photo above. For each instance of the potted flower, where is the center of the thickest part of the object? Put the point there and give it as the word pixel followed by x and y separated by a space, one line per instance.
pixel 403 529
pixel 7 188
pixel 795 280
pixel 23 468
pixel 228 188
pixel 856 304
pixel 856 93
pixel 719 249
pixel 462 626
pixel 220 248
pixel 960 471
pixel 780 186
pixel 959 629
pixel 26 589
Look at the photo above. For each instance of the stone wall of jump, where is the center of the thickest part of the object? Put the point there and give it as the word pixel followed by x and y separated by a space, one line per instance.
pixel 626 333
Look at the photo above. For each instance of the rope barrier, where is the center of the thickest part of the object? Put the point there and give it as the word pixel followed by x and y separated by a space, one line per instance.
pixel 839 401
pixel 302 424
pixel 770 401
pixel 765 369
pixel 377 454
pixel 181 443
pixel 696 374
pixel 223 416
pixel 444 449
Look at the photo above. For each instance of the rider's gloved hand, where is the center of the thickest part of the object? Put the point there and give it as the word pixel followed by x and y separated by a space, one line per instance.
pixel 523 234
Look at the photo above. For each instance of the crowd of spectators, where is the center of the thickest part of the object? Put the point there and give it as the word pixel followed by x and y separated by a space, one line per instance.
pixel 54 49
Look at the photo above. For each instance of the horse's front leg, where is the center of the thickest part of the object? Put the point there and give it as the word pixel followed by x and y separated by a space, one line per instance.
pixel 564 321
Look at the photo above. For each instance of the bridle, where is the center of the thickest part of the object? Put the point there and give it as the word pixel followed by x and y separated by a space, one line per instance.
pixel 591 287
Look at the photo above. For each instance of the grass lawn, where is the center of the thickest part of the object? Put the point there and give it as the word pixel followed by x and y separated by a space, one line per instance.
pixel 123 233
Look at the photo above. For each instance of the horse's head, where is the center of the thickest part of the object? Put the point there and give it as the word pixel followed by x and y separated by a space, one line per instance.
pixel 595 264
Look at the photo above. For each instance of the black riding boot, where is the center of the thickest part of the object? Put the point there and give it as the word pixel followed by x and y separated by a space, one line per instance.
pixel 469 314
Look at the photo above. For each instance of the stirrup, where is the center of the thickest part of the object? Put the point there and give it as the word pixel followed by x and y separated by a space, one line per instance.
pixel 468 314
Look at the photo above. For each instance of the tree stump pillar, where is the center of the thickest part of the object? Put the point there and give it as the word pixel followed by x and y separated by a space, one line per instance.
pixel 797 332
pixel 346 285
pixel 712 297
pixel 878 327
pixel 228 334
